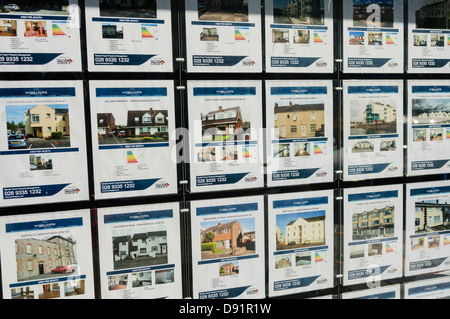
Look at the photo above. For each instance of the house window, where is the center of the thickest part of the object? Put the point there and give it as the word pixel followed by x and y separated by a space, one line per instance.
pixel 101 121
pixel 49 128
pixel 313 116
pixel 143 250
pixel 294 116
pixel 293 129
pixel 28 248
pixel 160 119
pixel 40 250
pixel 34 118
pixel 49 115
pixel 312 128
pixel 417 222
pixel 146 119
pixel 29 265
pixel 64 129
pixel 136 119
pixel 49 251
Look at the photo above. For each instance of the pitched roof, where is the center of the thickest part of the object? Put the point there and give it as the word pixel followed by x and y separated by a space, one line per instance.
pixel 132 115
pixel 219 226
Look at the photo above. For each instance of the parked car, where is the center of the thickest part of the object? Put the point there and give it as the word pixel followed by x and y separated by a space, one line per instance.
pixel 17 141
pixel 59 270
pixel 64 269
pixel 12 7
pixel 121 134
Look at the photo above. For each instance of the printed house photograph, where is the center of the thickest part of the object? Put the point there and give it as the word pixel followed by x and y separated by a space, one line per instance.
pixel 298 230
pixel 227 238
pixel 373 117
pixel 35 7
pixel 223 10
pixel 373 13
pixel 433 14
pixel 38 126
pixel 432 216
pixel 225 124
pixel 139 247
pixel 304 12
pixel 128 8
pixel 133 126
pixel 374 222
pixel 299 120
pixel 46 257
pixel 431 111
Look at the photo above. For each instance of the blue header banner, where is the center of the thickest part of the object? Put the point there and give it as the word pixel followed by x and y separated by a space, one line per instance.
pixel 227 209
pixel 373 89
pixel 224 91
pixel 138 216
pixel 300 202
pixel 431 89
pixel 130 92
pixel 37 92
pixel 372 196
pixel 298 90
pixel 44 225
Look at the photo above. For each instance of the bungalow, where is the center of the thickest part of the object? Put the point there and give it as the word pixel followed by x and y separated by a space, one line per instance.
pixel 147 122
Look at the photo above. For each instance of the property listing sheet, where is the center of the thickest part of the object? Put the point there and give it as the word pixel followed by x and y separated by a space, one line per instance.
pixel 223 36
pixel 373 34
pixel 299 36
pixel 299 132
pixel 40 36
pixel 225 128
pixel 228 248
pixel 129 36
pixel 428 36
pixel 301 249
pixel 438 288
pixel 132 137
pixel 140 252
pixel 42 143
pixel 427 228
pixel 428 141
pixel 372 129
pixel 385 292
pixel 373 234
pixel 47 256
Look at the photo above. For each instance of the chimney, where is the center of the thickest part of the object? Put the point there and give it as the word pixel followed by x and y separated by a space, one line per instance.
pixel 220 109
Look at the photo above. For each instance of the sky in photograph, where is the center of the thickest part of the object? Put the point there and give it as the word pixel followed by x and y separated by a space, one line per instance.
pixel 16 112
pixel 247 224
pixel 420 106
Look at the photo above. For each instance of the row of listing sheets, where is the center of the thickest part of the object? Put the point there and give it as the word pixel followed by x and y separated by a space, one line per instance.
pixel 299 36
pixel 136 145
pixel 49 255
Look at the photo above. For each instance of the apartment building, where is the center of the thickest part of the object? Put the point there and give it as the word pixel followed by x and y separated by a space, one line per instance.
pixel 42 120
pixel 378 222
pixel 306 231
pixel 36 257
pixel 299 120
